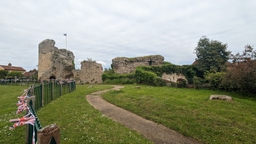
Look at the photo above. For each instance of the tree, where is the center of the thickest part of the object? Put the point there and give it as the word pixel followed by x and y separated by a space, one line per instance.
pixel 15 73
pixel 211 55
pixel 241 74
pixel 247 55
pixel 3 74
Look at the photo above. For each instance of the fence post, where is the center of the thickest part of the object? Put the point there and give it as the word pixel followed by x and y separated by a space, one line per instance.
pixel 42 94
pixel 69 85
pixel 60 89
pixel 31 98
pixel 52 96
pixel 48 135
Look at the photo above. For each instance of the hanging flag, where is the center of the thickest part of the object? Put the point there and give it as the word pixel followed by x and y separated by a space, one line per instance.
pixel 65 34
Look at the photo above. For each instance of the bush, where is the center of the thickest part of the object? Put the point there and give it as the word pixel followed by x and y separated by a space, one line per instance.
pixel 241 77
pixel 148 77
pixel 181 83
pixel 112 78
pixel 189 71
pixel 215 79
pixel 197 81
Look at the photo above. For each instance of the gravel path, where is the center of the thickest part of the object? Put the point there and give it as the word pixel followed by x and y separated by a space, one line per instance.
pixel 155 132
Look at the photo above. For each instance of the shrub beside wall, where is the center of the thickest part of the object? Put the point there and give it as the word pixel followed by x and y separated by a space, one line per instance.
pixel 150 74
pixel 112 78
pixel 148 77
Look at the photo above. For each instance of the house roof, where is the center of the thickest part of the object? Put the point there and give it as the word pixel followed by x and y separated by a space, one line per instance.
pixel 12 68
pixel 30 73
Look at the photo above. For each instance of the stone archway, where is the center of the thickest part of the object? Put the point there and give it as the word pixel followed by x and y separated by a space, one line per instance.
pixel 52 77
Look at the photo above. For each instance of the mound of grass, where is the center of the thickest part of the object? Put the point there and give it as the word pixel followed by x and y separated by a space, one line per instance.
pixel 79 122
pixel 191 113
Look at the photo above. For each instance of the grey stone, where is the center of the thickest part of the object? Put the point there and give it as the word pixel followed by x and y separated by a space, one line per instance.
pixel 221 97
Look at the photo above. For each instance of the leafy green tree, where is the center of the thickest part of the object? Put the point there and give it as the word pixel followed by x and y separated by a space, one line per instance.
pixel 3 74
pixel 15 73
pixel 212 55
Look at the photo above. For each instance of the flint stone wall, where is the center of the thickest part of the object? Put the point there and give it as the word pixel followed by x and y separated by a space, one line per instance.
pixel 54 62
pixel 123 65
pixel 91 72
pixel 172 77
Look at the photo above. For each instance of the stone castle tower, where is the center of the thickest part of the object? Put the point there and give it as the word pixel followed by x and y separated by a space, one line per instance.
pixel 91 72
pixel 54 63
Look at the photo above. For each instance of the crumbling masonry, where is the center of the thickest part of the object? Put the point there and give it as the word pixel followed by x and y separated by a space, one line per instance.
pixel 54 63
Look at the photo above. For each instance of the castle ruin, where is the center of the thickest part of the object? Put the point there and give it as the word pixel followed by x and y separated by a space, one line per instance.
pixel 123 65
pixel 54 63
pixel 91 72
pixel 58 64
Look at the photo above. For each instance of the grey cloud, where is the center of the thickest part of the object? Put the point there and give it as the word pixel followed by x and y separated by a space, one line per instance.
pixel 103 30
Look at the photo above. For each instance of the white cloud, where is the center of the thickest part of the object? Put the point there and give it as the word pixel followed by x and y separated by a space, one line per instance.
pixel 103 30
pixel 102 63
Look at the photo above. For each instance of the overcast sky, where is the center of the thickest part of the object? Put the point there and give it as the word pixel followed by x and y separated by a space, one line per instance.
pixel 104 29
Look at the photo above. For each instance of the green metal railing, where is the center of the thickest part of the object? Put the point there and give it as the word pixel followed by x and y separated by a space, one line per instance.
pixel 18 83
pixel 37 126
pixel 44 94
pixel 47 92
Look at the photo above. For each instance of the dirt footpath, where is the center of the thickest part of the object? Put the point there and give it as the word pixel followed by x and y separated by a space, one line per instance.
pixel 155 132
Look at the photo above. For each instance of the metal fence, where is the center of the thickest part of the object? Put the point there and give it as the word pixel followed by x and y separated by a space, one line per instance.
pixel 44 94
pixel 13 82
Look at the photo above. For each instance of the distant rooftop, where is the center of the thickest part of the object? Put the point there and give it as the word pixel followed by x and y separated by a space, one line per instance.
pixel 9 67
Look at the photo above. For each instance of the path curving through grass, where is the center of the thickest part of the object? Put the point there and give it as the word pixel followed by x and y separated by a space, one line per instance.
pixel 155 132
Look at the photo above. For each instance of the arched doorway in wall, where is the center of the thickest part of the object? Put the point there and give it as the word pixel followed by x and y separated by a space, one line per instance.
pixel 52 77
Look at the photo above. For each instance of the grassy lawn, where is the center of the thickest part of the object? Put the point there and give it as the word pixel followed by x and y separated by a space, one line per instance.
pixel 191 113
pixel 78 121
pixel 8 99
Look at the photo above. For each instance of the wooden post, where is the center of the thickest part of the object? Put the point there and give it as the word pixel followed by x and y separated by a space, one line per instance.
pixel 48 134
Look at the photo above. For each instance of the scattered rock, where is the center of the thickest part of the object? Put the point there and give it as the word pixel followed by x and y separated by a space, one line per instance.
pixel 221 97
pixel 137 87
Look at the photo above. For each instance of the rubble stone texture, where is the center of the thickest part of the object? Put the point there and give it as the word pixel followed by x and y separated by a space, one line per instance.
pixel 54 62
pixel 91 72
pixel 123 65
pixel 172 77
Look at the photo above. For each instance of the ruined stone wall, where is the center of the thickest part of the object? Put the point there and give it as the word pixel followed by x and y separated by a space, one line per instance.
pixel 123 65
pixel 54 62
pixel 76 74
pixel 172 77
pixel 91 72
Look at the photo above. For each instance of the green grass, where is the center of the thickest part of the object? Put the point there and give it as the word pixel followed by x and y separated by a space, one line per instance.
pixel 191 113
pixel 8 99
pixel 187 111
pixel 79 122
